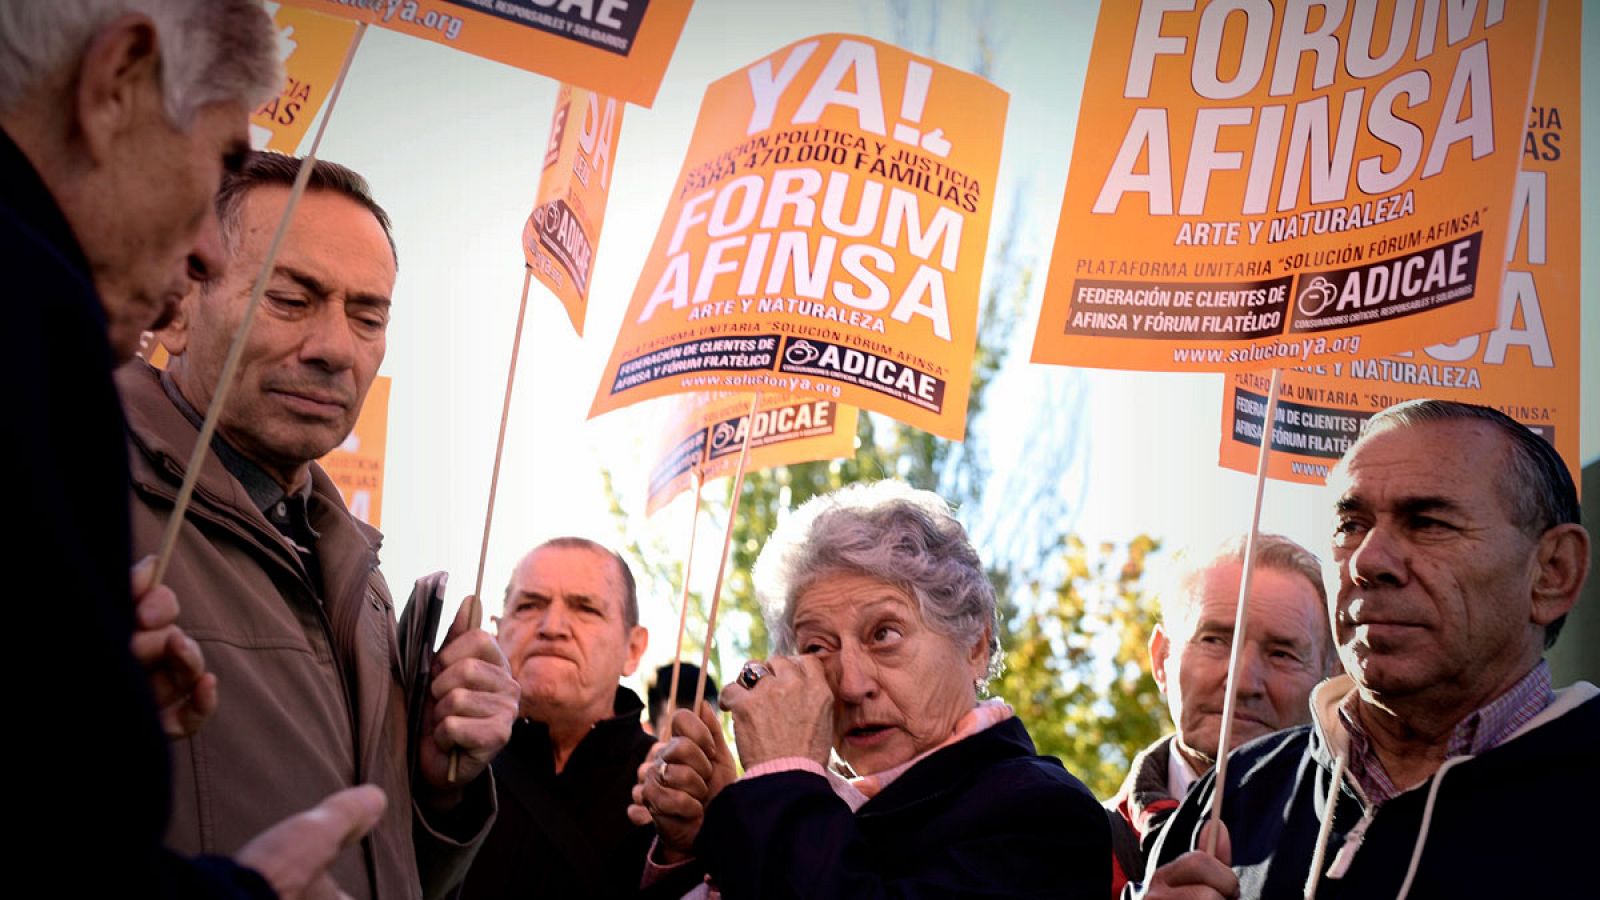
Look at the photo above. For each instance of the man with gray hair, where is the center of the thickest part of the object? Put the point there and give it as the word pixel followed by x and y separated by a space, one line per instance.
pixel 1442 763
pixel 1288 648
pixel 117 120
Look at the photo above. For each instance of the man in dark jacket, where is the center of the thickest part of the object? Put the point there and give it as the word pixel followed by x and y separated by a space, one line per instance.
pixel 116 121
pixel 570 628
pixel 1459 555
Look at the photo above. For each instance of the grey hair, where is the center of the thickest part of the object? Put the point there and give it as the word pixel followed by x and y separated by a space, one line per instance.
pixel 1272 551
pixel 888 531
pixel 1536 484
pixel 211 50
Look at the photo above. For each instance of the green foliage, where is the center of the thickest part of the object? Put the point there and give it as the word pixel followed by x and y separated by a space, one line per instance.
pixel 1076 668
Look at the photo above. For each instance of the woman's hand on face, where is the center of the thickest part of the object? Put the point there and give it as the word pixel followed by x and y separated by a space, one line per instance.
pixel 789 712
pixel 680 779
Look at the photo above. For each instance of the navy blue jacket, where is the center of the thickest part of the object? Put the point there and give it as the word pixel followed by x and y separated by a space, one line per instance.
pixel 1515 821
pixel 93 760
pixel 983 817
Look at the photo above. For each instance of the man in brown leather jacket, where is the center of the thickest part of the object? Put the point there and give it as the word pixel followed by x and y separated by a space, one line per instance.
pixel 280 583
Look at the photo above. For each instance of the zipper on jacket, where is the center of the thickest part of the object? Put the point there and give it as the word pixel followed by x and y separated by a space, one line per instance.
pixel 210 510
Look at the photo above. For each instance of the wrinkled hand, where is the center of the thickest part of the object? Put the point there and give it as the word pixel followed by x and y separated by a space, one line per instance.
pixel 1197 875
pixel 787 713
pixel 185 693
pixel 472 705
pixel 638 813
pixel 294 855
pixel 698 766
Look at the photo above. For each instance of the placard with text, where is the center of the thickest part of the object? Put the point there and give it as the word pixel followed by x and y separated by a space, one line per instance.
pixel 1527 366
pixel 562 236
pixel 825 237
pixel 707 433
pixel 1262 185
pixel 617 47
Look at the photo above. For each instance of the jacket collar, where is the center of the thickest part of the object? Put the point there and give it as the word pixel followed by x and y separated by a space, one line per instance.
pixel 263 489
pixel 615 732
pixel 1328 735
pixel 626 708
pixel 1145 791
pixel 25 192
pixel 950 768
pixel 166 438
pixel 1329 738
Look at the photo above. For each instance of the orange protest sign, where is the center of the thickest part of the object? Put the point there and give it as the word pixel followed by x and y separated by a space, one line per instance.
pixel 1526 367
pixel 151 350
pixel 356 466
pixel 312 46
pixel 826 237
pixel 708 430
pixel 1287 183
pixel 562 235
pixel 617 47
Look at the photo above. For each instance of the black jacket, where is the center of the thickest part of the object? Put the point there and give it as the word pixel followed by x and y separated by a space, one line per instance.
pixel 1515 821
pixel 94 780
pixel 566 834
pixel 983 817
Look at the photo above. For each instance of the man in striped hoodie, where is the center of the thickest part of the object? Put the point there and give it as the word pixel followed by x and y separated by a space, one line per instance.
pixel 1442 764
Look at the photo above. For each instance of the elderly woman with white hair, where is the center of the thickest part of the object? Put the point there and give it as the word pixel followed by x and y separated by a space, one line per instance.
pixel 883 622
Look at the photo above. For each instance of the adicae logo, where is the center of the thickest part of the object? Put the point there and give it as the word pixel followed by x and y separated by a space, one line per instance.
pixel 1316 296
pixel 801 352
pixel 722 435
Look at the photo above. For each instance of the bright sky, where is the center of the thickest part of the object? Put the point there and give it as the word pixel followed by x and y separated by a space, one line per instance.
pixel 452 145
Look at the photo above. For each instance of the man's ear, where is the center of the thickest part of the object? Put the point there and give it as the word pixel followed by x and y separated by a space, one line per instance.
pixel 638 639
pixel 1562 561
pixel 1159 648
pixel 118 75
pixel 174 336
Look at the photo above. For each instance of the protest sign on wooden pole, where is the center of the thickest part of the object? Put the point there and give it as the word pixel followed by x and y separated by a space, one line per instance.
pixel 1287 207
pixel 356 465
pixel 620 49
pixel 705 433
pixel 1527 366
pixel 825 237
pixel 311 45
pixel 562 234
